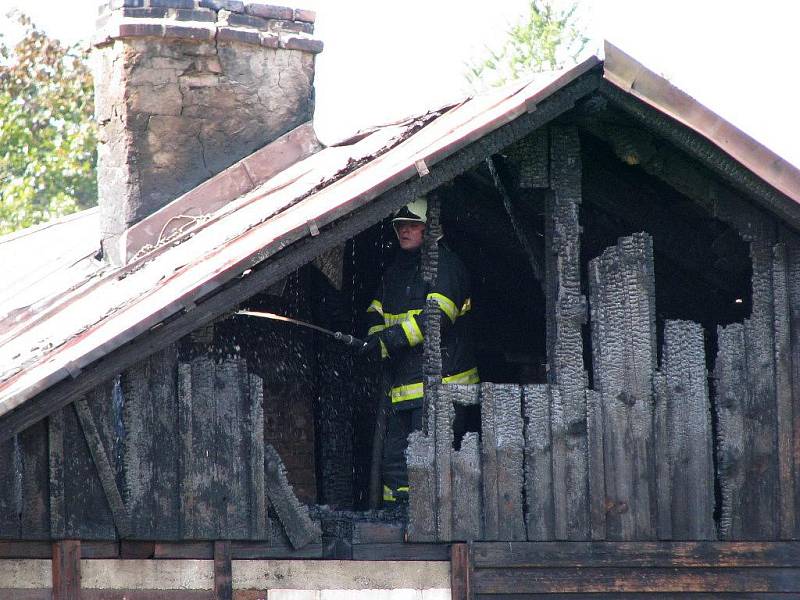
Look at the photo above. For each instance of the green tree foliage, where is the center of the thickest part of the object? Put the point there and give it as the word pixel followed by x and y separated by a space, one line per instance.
pixel 547 38
pixel 47 134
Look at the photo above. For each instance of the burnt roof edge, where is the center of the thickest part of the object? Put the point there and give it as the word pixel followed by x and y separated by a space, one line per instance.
pixel 748 165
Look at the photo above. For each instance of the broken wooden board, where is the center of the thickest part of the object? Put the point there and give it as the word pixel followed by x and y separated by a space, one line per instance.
pixel 622 285
pixel 538 463
pixel 294 517
pixel 747 408
pixel 683 444
pixel 502 453
pixel 566 314
pixel 467 501
pixel 420 459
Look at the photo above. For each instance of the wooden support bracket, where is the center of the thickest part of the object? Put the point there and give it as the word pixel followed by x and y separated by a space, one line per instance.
pixel 105 472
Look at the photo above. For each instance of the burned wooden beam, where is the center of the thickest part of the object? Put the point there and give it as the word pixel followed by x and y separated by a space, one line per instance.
pixel 538 463
pixel 104 469
pixel 294 517
pixel 522 232
pixel 566 314
pixel 684 442
pixel 622 285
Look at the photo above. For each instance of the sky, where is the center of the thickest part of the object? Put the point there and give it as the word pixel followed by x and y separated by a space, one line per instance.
pixel 386 60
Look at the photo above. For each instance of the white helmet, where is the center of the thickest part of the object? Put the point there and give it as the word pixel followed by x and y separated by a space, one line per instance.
pixel 415 211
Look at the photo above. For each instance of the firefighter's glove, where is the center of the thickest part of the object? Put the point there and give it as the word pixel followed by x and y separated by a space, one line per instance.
pixel 393 338
pixel 371 345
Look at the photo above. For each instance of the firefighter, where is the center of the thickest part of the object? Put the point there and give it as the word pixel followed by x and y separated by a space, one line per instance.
pixel 396 327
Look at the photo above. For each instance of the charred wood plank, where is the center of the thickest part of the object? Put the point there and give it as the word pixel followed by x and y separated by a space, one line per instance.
pixel 445 414
pixel 151 445
pixel 538 462
pixel 405 551
pixel 663 464
pixel 231 415
pixel 467 501
pixel 783 391
pixel 632 580
pixel 55 449
pixel 503 451
pixel 793 249
pixel 104 469
pixel 730 376
pixel 636 554
pixel 67 570
pixel 747 414
pixel 10 488
pixel 294 517
pixel 597 471
pixel 420 459
pixel 687 446
pixel 257 488
pixel 566 314
pixel 489 466
pixel 622 288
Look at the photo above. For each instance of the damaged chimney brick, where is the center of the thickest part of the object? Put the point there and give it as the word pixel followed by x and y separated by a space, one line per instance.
pixel 184 89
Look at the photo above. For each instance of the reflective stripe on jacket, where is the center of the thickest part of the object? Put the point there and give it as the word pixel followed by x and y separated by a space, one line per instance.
pixel 399 301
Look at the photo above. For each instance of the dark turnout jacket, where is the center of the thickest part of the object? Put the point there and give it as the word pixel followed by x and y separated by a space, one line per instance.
pixel 398 304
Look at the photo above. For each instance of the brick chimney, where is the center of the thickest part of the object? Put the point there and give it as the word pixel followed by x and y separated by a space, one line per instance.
pixel 184 89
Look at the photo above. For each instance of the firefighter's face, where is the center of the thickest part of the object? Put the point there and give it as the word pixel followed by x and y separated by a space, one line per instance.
pixel 409 234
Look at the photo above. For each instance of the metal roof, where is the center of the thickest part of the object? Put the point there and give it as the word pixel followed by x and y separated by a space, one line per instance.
pixel 71 325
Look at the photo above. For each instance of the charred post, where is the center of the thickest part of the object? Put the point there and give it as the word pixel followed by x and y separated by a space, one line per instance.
pixel 566 314
pixel 622 285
